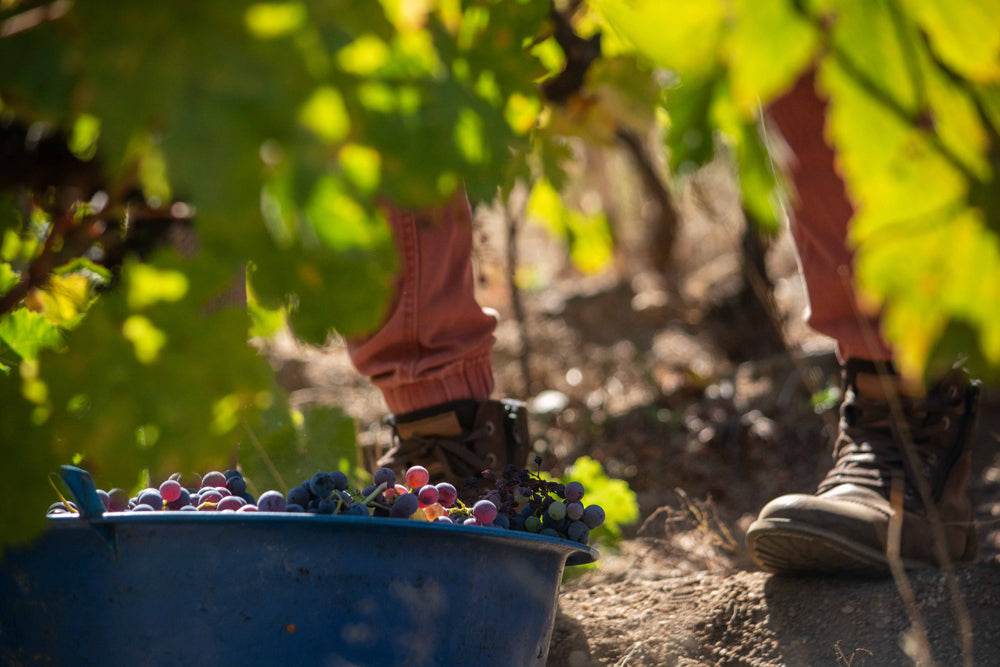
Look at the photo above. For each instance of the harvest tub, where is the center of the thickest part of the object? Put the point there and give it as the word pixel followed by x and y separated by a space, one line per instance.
pixel 184 588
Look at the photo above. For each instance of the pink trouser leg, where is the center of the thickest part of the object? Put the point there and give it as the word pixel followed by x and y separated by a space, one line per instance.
pixel 436 344
pixel 819 226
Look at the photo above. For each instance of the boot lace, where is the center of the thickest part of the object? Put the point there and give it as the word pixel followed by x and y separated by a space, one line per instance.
pixel 455 455
pixel 869 449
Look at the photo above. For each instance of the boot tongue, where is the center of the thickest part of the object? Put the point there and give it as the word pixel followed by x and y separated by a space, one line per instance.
pixel 445 424
pixel 881 387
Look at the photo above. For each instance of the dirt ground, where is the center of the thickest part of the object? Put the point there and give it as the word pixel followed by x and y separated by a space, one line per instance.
pixel 679 387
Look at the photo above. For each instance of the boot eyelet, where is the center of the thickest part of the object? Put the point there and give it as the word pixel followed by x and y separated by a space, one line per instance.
pixel 946 422
pixel 490 428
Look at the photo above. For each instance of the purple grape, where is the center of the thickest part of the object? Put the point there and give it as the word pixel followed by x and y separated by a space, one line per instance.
pixel 339 480
pixel 249 507
pixel 231 503
pixel 297 496
pixel 406 504
pixel 213 479
pixel 428 495
pixel 357 509
pixel 188 508
pixel 271 501
pixel 294 507
pixel 574 510
pixel 574 491
pixel 345 499
pixel 210 495
pixel 182 500
pixel 326 506
pixel 105 499
pixel 548 532
pixel 578 532
pixel 517 523
pixel 143 507
pixel 447 494
pixel 229 474
pixel 321 485
pixel 384 476
pixel 119 500
pixel 593 516
pixel 444 519
pixel 236 485
pixel 558 525
pixel 471 521
pixel 152 498
pixel 223 491
pixel 502 521
pixel 170 490
pixel 485 512
pixel 246 495
pixel 417 476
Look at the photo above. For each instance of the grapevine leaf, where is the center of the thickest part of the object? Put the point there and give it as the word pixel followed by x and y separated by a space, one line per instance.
pixel 180 371
pixel 284 447
pixel 30 454
pixel 682 36
pixel 27 333
pixel 769 45
pixel 964 33
pixel 8 277
pixel 690 135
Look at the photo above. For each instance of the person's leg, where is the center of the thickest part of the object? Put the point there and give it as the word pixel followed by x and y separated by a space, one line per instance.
pixel 431 356
pixel 844 526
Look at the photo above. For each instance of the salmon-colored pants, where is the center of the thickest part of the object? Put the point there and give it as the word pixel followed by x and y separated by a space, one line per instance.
pixel 435 345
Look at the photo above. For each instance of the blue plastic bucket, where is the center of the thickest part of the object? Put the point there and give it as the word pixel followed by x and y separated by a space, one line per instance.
pixel 279 589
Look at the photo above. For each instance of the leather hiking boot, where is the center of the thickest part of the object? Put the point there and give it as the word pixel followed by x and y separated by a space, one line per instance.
pixel 844 526
pixel 460 440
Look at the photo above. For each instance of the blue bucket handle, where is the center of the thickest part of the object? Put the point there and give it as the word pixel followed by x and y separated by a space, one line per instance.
pixel 84 491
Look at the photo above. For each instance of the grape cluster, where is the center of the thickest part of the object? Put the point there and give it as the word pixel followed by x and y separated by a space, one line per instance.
pixel 520 500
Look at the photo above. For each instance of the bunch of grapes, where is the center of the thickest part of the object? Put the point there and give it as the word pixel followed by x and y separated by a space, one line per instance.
pixel 520 500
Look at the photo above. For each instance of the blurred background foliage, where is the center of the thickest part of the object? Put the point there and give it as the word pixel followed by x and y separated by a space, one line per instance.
pixel 178 177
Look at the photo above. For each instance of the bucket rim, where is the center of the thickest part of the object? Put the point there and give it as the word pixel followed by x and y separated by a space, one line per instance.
pixel 575 553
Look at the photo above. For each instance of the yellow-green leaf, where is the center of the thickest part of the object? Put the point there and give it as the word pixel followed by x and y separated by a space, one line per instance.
pixel 326 115
pixel 147 285
pixel 27 333
pixel 768 47
pixel 682 35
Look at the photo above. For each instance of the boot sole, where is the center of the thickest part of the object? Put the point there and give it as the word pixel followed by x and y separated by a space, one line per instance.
pixel 789 547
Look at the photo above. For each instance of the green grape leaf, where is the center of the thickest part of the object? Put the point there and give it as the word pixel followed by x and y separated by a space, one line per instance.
pixel 931 271
pixel 285 447
pixel 965 34
pixel 30 455
pixel 42 83
pixel 690 136
pixel 682 36
pixel 180 372
pixel 769 44
pixel 587 235
pixel 27 333
pixel 8 277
